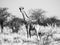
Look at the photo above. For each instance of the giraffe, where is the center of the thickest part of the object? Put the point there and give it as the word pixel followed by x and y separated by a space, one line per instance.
pixel 24 14
pixel 29 26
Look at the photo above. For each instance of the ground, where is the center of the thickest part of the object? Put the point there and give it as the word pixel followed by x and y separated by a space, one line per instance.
pixel 21 39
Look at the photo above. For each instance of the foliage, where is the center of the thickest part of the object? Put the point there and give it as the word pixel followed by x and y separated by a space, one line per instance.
pixel 37 14
pixel 15 24
pixel 52 21
pixel 4 13
pixel 3 17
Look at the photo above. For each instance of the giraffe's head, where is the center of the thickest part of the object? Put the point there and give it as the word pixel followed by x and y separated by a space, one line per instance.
pixel 21 8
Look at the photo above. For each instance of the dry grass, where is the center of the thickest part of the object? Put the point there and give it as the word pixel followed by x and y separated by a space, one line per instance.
pixel 21 38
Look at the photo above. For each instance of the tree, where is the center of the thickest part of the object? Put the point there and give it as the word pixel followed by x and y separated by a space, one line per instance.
pixel 51 21
pixel 36 14
pixel 3 16
pixel 15 24
pixel 55 21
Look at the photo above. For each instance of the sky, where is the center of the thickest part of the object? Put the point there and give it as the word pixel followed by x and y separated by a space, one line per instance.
pixel 52 7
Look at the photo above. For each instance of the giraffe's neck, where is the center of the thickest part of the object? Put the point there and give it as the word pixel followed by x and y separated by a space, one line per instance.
pixel 23 14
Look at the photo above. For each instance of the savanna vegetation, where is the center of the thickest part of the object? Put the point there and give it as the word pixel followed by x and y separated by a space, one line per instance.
pixel 37 24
